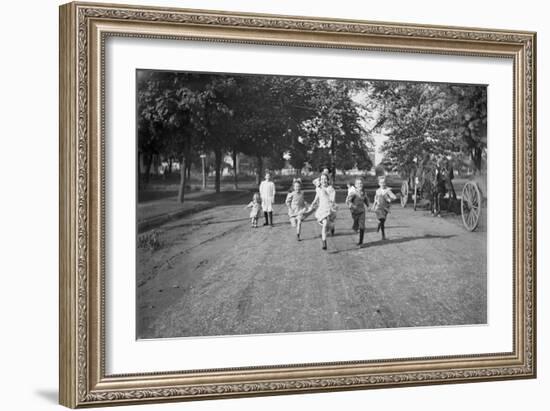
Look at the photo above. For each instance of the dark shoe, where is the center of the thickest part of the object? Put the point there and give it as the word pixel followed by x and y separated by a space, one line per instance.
pixel 324 245
pixel 361 235
pixel 298 237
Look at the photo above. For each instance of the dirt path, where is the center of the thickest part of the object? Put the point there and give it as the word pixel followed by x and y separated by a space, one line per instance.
pixel 215 275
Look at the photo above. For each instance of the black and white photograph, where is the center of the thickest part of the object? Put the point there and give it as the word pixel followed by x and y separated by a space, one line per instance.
pixel 280 204
pixel 243 205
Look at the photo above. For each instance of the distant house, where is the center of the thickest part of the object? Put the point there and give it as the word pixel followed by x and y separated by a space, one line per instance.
pixel 245 165
pixel 159 165
pixel 288 170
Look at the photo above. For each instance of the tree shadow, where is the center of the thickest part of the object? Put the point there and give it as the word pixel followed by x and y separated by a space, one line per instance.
pixel 350 232
pixel 342 234
pixel 394 241
pixel 223 198
pixel 208 222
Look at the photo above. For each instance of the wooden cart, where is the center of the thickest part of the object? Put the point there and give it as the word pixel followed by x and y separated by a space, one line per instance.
pixel 472 202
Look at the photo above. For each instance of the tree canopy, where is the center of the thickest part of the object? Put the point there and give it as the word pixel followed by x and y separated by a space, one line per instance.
pixel 422 119
pixel 270 118
pixel 320 122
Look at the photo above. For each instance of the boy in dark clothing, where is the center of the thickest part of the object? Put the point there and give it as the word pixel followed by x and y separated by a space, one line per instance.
pixel 358 202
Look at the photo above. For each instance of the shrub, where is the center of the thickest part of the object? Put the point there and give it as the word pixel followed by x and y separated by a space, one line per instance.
pixel 150 240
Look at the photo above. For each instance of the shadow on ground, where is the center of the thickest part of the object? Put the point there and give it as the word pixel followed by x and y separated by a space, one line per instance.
pixel 394 241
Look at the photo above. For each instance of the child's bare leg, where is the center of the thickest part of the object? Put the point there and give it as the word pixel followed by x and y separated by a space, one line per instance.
pixel 361 227
pixel 298 228
pixel 355 226
pixel 383 228
pixel 324 233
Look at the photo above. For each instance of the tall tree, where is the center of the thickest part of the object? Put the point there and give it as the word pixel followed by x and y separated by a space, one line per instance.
pixel 471 122
pixel 336 126
pixel 415 117
pixel 423 119
pixel 264 119
pixel 171 109
pixel 223 95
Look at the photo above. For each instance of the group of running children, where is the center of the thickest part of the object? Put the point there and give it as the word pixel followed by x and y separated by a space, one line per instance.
pixel 324 205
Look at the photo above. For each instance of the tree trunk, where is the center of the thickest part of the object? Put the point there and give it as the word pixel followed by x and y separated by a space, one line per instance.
pixel 183 180
pixel 170 166
pixel 476 157
pixel 188 170
pixel 148 164
pixel 235 171
pixel 260 170
pixel 333 160
pixel 139 168
pixel 218 161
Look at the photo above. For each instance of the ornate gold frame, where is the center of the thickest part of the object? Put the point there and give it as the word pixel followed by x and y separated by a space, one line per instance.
pixel 83 30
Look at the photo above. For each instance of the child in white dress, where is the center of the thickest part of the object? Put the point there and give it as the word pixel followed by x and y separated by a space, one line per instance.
pixel 297 207
pixel 381 206
pixel 326 208
pixel 267 194
pixel 256 209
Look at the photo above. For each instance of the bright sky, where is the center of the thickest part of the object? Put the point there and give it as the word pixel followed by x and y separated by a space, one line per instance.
pixel 378 137
pixel 378 141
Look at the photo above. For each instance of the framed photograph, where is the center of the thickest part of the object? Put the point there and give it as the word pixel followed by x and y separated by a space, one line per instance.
pixel 258 204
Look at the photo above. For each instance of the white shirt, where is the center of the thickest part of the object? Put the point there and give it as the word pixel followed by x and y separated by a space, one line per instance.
pixel 267 194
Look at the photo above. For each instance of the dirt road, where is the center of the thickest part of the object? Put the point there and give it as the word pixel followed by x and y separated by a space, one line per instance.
pixel 214 275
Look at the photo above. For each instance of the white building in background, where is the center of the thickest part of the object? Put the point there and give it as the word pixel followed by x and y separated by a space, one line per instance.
pixel 159 166
pixel 245 165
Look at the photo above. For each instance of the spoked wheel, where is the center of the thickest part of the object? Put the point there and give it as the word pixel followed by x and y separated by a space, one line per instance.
pixel 404 193
pixel 470 206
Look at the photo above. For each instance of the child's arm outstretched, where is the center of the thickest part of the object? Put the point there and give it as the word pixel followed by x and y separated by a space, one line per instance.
pixel 349 198
pixel 375 202
pixel 288 200
pixel 367 202
pixel 314 203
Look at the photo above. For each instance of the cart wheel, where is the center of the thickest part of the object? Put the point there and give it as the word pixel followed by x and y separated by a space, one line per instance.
pixel 404 193
pixel 470 205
